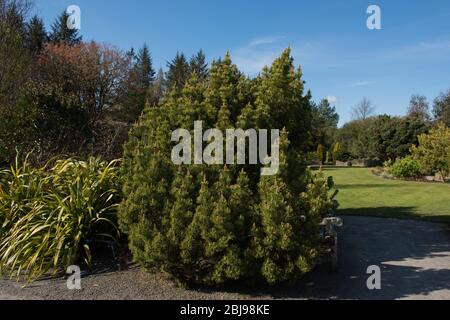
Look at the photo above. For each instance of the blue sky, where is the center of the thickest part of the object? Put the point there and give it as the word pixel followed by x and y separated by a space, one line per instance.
pixel 340 57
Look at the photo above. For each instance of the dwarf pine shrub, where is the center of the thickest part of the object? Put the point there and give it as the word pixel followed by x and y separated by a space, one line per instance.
pixel 211 224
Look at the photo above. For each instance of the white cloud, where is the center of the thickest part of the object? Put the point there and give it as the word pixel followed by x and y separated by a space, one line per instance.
pixel 434 49
pixel 261 52
pixel 361 83
pixel 265 40
pixel 257 54
pixel 332 99
pixel 253 62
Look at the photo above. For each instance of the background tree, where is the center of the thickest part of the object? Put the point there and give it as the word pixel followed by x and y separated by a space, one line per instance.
pixel 178 71
pixel 157 89
pixel 337 149
pixel 320 153
pixel 15 121
pixel 353 138
pixel 36 35
pixel 61 33
pixel 137 84
pixel 325 120
pixel 382 137
pixel 390 138
pixel 363 110
pixel 441 108
pixel 72 87
pixel 199 65
pixel 15 62
pixel 419 108
pixel 144 67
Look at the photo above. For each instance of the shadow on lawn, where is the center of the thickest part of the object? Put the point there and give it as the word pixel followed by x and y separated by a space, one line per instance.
pixel 367 186
pixel 394 212
pixel 414 257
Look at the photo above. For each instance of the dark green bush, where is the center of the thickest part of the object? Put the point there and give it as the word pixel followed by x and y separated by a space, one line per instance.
pixel 214 224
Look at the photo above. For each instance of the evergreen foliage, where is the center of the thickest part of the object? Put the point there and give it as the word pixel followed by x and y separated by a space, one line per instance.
pixel 36 35
pixel 61 33
pixel 433 151
pixel 211 224
pixel 144 67
pixel 441 108
pixel 178 72
pixel 199 65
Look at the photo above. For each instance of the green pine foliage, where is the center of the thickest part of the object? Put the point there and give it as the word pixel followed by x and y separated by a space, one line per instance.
pixel 61 33
pixel 144 66
pixel 198 65
pixel 212 224
pixel 36 35
pixel 140 85
pixel 178 72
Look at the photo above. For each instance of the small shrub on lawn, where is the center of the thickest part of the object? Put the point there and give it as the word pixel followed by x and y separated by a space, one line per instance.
pixel 49 216
pixel 406 168
pixel 433 151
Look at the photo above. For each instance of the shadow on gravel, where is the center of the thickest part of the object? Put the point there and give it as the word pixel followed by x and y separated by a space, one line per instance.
pixel 414 257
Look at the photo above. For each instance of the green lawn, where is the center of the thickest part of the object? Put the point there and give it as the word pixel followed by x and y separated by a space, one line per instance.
pixel 362 193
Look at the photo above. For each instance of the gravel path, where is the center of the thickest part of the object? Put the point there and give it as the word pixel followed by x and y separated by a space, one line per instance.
pixel 414 258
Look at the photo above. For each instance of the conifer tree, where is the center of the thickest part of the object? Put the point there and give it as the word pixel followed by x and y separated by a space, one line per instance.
pixel 223 119
pixel 178 72
pixel 139 85
pixel 144 67
pixel 277 241
pixel 181 212
pixel 336 150
pixel 224 87
pixel 320 153
pixel 143 76
pixel 146 160
pixel 14 59
pixel 193 247
pixel 157 89
pixel 131 55
pixel 220 235
pixel 198 65
pixel 36 35
pixel 281 102
pixel 242 203
pixel 180 215
pixel 62 33
pixel 246 118
pixel 242 226
pixel 187 105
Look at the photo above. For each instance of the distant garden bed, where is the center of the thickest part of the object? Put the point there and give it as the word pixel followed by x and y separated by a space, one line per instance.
pixel 383 173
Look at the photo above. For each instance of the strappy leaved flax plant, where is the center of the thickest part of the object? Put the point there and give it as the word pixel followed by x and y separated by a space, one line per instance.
pixel 50 216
